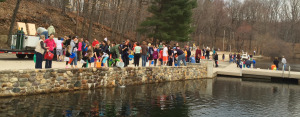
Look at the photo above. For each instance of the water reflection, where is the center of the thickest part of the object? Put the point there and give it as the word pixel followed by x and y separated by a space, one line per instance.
pixel 217 97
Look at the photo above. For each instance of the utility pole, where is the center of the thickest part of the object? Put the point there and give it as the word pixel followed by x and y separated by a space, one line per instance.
pixel 224 40
pixel 200 38
pixel 233 37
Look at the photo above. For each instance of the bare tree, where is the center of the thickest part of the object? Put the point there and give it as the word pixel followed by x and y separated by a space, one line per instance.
pixel 13 19
pixel 91 20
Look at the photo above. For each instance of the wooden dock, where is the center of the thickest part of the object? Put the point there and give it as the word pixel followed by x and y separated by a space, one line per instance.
pixel 232 71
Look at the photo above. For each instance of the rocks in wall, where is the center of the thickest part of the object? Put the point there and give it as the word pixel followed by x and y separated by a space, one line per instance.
pixel 25 82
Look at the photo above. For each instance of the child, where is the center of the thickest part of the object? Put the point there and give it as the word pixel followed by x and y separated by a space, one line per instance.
pixel 193 60
pixel 97 56
pixel 87 57
pixel 90 51
pixel 254 62
pixel 104 58
pixel 155 55
pixel 68 53
pixel 223 57
pixel 161 57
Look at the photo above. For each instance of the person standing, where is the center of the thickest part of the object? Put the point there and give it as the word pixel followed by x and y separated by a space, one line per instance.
pixel 207 53
pixel 214 51
pixel 254 62
pixel 150 51
pixel 223 57
pixel 97 56
pixel 42 31
pixel 189 53
pixel 238 59
pixel 79 51
pixel 87 42
pixel 160 57
pixel 181 56
pixel 125 55
pixel 59 49
pixel 137 54
pixel 51 30
pixel 74 49
pixel 216 58
pixel 144 53
pixel 170 56
pixel 198 54
pixel 276 62
pixel 51 44
pixel 160 47
pixel 283 61
pixel 203 51
pixel 68 53
pixel 95 42
pixel 129 44
pixel 230 58
pixel 134 45
pixel 84 47
pixel 155 55
pixel 165 55
pixel 105 50
pixel 66 43
pixel 234 58
pixel 39 51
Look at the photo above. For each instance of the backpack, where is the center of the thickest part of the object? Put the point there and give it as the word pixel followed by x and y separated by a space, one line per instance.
pixel 155 55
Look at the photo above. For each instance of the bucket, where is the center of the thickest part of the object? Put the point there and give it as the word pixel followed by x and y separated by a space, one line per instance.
pixel 120 64
pixel 131 57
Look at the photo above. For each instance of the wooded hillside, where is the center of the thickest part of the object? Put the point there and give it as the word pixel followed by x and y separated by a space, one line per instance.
pixel 271 27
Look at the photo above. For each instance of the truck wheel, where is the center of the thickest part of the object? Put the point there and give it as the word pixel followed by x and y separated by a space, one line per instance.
pixel 21 56
pixel 30 56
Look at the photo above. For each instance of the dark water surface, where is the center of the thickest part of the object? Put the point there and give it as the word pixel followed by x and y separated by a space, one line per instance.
pixel 220 97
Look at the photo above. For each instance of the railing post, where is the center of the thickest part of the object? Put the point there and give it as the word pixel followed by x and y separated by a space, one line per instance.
pixel 283 71
pixel 289 71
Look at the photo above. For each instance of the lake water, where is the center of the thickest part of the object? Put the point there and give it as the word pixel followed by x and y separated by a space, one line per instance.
pixel 220 97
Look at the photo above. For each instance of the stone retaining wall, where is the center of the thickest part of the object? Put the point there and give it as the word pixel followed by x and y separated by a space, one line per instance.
pixel 26 82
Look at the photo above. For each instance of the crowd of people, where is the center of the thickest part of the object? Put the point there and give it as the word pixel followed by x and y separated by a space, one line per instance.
pixel 276 62
pixel 109 54
pixel 72 50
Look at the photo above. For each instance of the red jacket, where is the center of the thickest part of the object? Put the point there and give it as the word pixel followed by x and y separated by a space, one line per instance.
pixel 95 43
pixel 198 52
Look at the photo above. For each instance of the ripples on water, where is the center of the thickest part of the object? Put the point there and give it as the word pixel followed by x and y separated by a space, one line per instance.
pixel 221 97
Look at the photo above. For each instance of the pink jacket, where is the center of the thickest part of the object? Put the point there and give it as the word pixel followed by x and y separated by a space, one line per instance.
pixel 50 43
pixel 79 46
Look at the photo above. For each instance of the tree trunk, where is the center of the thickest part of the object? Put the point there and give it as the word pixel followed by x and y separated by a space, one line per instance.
pixel 250 43
pixel 76 29
pixel 91 21
pixel 115 22
pixel 85 10
pixel 138 18
pixel 13 22
pixel 125 19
